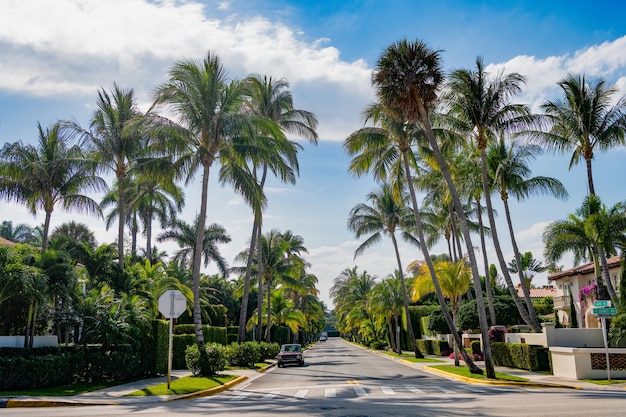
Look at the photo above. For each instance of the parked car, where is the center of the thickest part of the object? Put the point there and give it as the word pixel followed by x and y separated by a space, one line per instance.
pixel 290 354
pixel 324 337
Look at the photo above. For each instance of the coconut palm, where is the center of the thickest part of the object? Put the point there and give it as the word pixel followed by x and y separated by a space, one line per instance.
pixel 20 233
pixel 592 233
pixel 455 279
pixel 350 292
pixel 481 102
pixel 583 121
pixel 49 175
pixel 185 235
pixel 530 266
pixel 407 78
pixel 388 300
pixel 511 175
pixel 385 215
pixel 209 112
pixel 271 100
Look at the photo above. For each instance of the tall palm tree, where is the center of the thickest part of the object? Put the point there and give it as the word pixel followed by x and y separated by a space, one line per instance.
pixel 481 102
pixel 583 121
pixel 388 300
pixel 455 279
pixel 20 233
pixel 592 233
pixel 116 147
pixel 386 215
pixel 407 78
pixel 351 292
pixel 271 100
pixel 511 175
pixel 529 266
pixel 50 174
pixel 185 235
pixel 209 112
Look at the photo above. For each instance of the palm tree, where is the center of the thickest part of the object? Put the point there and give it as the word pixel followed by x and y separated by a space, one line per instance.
pixel 388 300
pixel 407 78
pixel 209 114
pixel 351 292
pixel 593 232
pixel 511 175
pixel 455 279
pixel 116 146
pixel 482 103
pixel 530 266
pixel 583 121
pixel 270 100
pixel 20 233
pixel 385 216
pixel 185 235
pixel 49 175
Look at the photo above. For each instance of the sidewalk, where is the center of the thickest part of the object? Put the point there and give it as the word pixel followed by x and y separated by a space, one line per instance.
pixel 117 395
pixel 535 379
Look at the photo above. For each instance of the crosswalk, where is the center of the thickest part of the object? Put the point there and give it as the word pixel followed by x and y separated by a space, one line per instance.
pixel 360 391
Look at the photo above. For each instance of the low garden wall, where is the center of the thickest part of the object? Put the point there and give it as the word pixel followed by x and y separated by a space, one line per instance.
pixel 587 363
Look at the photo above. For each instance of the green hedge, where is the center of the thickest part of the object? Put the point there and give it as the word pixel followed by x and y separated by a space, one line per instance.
pixel 434 347
pixel 521 356
pixel 417 312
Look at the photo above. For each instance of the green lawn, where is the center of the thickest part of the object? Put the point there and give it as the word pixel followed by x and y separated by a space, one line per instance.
pixel 408 357
pixel 605 381
pixel 62 390
pixel 464 371
pixel 185 385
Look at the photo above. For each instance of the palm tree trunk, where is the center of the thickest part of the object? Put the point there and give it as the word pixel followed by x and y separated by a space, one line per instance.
pixel 492 308
pixel 604 267
pixel 496 243
pixel 522 278
pixel 149 237
pixel 197 259
pixel 243 313
pixel 121 218
pixel 392 335
pixel 482 314
pixel 46 230
pixel 592 190
pixel 268 329
pixel 405 300
pixel 259 303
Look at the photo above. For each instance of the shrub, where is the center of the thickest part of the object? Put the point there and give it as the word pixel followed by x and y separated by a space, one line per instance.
pixel 437 322
pixel 378 345
pixel 268 350
pixel 434 347
pixel 192 359
pixel 521 356
pixel 244 354
pixel 212 360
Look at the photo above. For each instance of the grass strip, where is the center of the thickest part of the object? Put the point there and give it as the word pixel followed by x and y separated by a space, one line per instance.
pixel 464 371
pixel 605 381
pixel 184 385
pixel 408 357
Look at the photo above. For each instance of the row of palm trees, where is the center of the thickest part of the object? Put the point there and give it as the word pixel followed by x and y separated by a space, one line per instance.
pixel 241 126
pixel 458 140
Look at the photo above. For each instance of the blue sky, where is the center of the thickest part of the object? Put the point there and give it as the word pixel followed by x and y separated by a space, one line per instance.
pixel 56 55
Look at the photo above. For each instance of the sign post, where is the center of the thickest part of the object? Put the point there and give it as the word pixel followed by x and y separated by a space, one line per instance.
pixel 171 304
pixel 603 310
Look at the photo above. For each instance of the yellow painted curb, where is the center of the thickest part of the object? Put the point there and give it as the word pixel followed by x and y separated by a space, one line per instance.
pixel 208 392
pixel 500 383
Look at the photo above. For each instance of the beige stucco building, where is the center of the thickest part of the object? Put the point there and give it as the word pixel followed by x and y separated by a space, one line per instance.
pixel 568 284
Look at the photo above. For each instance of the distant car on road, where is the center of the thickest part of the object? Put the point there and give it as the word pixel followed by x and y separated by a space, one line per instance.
pixel 290 354
pixel 324 337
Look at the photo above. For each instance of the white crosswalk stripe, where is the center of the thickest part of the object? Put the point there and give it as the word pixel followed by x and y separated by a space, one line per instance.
pixel 414 389
pixel 360 391
pixel 240 397
pixel 388 391
pixel 442 389
pixel 270 395
pixel 330 393
pixel 473 389
pixel 302 393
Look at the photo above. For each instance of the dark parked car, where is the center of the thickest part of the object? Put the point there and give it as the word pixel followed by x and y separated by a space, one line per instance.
pixel 290 354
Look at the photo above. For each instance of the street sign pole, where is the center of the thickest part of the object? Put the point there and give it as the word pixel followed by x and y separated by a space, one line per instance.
pixel 169 348
pixel 172 304
pixel 606 348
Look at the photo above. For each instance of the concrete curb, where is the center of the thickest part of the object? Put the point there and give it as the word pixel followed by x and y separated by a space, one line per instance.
pixel 500 383
pixel 53 403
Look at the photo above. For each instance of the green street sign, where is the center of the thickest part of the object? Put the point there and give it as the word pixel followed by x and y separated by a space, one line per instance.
pixel 604 311
pixel 602 303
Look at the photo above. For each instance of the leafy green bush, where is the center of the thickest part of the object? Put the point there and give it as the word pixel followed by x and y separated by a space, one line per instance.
pixel 434 347
pixel 212 359
pixel 521 356
pixel 437 323
pixel 192 359
pixel 506 313
pixel 244 354
pixel 268 350
pixel 378 345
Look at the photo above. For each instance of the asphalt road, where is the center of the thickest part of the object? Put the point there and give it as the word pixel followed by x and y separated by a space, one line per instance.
pixel 340 379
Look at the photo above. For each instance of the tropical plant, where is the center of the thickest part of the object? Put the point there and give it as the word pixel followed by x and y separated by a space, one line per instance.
pixel 50 174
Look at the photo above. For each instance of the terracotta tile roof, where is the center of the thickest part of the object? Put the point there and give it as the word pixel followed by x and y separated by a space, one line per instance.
pixel 614 262
pixel 545 291
pixel 4 241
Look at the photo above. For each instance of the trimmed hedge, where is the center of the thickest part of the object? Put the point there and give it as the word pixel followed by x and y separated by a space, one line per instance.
pixel 434 347
pixel 521 356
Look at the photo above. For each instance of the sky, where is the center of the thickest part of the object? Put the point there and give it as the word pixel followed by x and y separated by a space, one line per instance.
pixel 55 56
